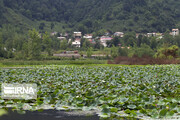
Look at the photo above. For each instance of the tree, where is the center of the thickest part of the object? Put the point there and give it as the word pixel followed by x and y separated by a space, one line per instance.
pixel 114 51
pixel 122 51
pixel 145 40
pixel 86 44
pixel 25 50
pixel 63 44
pixel 130 39
pixel 2 51
pixel 34 44
pixel 82 28
pixel 177 40
pixel 97 45
pixel 1 8
pixel 139 40
pixel 41 26
pixel 167 52
pixel 55 43
pixel 52 26
pixel 143 50
pixel 89 52
pixel 154 43
pixel 47 42
pixel 168 39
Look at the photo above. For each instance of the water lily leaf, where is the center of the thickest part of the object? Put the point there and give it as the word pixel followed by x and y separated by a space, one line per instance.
pixel 21 111
pixel 3 112
pixel 80 105
pixel 104 115
pixel 114 109
pixel 127 111
pixel 1 101
pixel 170 114
pixel 124 99
pixel 173 105
pixel 163 113
pixel 131 106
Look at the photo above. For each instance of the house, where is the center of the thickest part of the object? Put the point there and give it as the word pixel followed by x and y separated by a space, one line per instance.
pixel 107 34
pixel 92 41
pixel 137 35
pixel 119 34
pixel 61 38
pixel 104 39
pixel 127 47
pixel 66 35
pixel 53 33
pixel 78 39
pixel 175 32
pixel 77 35
pixel 88 36
pixel 151 34
pixel 159 35
pixel 76 44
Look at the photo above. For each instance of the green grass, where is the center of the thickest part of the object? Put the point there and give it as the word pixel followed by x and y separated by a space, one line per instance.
pixel 21 63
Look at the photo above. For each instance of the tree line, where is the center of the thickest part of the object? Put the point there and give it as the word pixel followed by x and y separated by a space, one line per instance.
pixel 36 45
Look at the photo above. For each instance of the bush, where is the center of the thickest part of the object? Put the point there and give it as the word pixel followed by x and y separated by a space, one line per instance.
pixel 167 52
pixel 143 50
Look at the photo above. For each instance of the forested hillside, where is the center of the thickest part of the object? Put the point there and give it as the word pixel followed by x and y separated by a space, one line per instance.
pixel 92 15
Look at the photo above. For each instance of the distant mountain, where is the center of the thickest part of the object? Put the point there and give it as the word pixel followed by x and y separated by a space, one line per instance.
pixel 93 15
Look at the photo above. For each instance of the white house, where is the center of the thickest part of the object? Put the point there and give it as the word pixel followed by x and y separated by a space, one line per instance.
pixel 175 32
pixel 76 44
pixel 88 36
pixel 61 38
pixel 53 33
pixel 119 34
pixel 77 34
pixel 151 34
pixel 104 39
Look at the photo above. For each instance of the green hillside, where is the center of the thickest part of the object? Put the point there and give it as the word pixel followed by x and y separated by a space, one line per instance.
pixel 93 15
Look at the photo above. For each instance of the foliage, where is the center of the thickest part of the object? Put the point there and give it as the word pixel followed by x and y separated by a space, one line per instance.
pixel 89 52
pixel 63 44
pixel 167 52
pixel 143 50
pixel 115 41
pixel 34 44
pixel 47 42
pixel 88 16
pixel 123 51
pixel 136 91
pixel 114 51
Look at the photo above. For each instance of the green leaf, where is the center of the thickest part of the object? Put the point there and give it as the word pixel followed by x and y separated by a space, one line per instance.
pixel 114 110
pixel 170 113
pixel 127 111
pixel 3 112
pixel 154 114
pixel 80 105
pixel 163 113
pixel 104 115
pixel 131 106
pixel 21 111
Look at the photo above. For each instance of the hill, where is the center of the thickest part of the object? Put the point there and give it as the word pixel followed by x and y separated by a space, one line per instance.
pixel 93 15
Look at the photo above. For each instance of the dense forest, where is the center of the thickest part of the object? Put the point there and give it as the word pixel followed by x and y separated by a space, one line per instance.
pixel 92 15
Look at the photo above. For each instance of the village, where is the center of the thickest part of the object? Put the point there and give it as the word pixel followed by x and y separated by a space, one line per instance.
pixel 77 36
